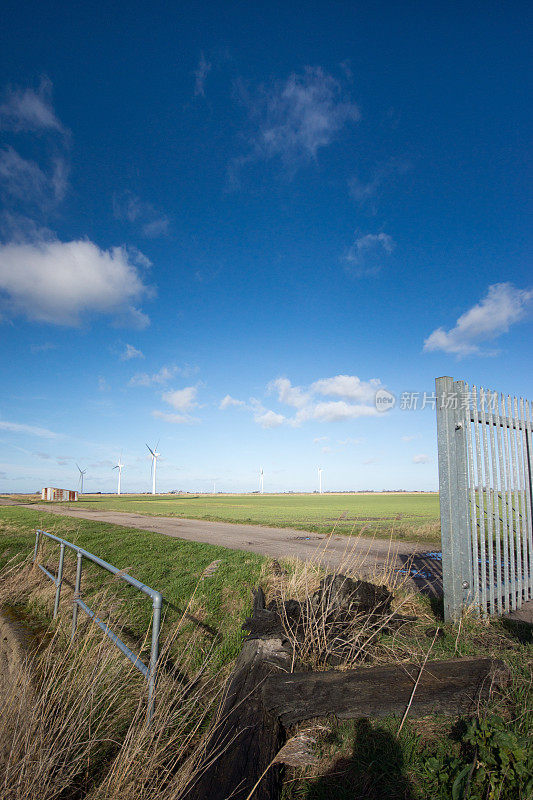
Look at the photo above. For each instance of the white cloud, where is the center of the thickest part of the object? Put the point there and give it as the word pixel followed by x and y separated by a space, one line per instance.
pixel 130 352
pixel 182 399
pixel 288 394
pixel 103 385
pixel 152 223
pixel 408 438
pixel 200 76
pixel 269 419
pixel 320 439
pixel 356 399
pixel 29 110
pixel 60 282
pixel 421 458
pixel 334 411
pixel 17 427
pixel 349 387
pixel 367 254
pixel 502 306
pixel 350 441
pixel 228 401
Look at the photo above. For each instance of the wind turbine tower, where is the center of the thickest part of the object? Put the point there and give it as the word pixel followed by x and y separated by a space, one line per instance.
pixel 82 473
pixel 261 481
pixel 155 456
pixel 119 466
pixel 320 471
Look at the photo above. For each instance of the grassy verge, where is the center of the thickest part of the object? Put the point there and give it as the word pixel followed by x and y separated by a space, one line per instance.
pixel 406 516
pixel 174 567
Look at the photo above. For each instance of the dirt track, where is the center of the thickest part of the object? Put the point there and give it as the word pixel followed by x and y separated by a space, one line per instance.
pixel 273 542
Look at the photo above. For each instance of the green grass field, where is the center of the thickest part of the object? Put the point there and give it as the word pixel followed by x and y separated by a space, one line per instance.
pixel 404 516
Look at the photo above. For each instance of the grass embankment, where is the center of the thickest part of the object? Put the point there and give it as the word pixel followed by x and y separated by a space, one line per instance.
pixel 432 758
pixel 402 516
pixel 172 566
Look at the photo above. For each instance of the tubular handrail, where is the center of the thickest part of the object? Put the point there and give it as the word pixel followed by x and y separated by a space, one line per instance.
pixel 150 671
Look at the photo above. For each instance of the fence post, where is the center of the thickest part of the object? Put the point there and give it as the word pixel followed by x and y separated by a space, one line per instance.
pixel 37 536
pixel 77 587
pixel 59 579
pixel 154 655
pixel 453 493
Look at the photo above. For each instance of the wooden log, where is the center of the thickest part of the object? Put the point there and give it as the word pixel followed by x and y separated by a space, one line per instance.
pixel 445 687
pixel 244 737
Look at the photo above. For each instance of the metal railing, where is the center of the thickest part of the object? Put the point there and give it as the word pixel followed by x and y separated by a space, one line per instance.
pixel 485 483
pixel 150 671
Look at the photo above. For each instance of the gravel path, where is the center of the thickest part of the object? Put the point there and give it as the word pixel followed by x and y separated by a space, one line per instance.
pixel 335 551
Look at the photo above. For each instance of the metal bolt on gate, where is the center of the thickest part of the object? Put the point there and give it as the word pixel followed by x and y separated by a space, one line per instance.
pixel 150 671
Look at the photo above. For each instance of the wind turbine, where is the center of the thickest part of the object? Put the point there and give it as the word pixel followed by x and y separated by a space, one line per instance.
pixel 119 466
pixel 320 471
pixel 261 481
pixel 82 473
pixel 155 456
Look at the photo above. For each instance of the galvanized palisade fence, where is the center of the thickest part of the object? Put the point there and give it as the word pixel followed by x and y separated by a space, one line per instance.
pixel 485 483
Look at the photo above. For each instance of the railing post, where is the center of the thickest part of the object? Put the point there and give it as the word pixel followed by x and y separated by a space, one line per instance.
pixel 154 655
pixel 453 494
pixel 37 536
pixel 59 579
pixel 77 587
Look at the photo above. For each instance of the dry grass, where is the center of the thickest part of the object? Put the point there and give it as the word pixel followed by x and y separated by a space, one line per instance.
pixel 74 714
pixel 312 635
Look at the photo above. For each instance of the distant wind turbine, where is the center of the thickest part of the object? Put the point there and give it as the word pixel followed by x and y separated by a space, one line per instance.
pixel 155 456
pixel 261 481
pixel 119 466
pixel 82 473
pixel 320 471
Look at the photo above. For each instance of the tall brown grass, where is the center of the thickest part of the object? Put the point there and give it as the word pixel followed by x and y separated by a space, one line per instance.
pixel 74 715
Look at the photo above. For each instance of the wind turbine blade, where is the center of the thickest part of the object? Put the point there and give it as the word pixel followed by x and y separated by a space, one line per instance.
pixel 150 449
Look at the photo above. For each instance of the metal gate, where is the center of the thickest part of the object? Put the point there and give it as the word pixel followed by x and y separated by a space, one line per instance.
pixel 485 449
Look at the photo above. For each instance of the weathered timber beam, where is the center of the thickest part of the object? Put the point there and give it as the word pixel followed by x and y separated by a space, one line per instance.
pixel 445 687
pixel 244 738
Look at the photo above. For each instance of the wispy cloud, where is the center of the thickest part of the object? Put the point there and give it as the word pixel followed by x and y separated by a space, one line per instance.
pixel 152 223
pixel 130 352
pixel 200 75
pixel 42 347
pixel 174 419
pixel 293 119
pixel 164 375
pixel 60 282
pixel 367 255
pixel 367 192
pixel 503 305
pixel 421 458
pixel 30 110
pixel 26 183
pixel 32 430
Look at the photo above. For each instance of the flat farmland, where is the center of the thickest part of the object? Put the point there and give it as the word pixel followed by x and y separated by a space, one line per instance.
pixel 402 516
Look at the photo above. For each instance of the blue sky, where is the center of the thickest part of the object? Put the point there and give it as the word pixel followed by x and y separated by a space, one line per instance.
pixel 224 227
